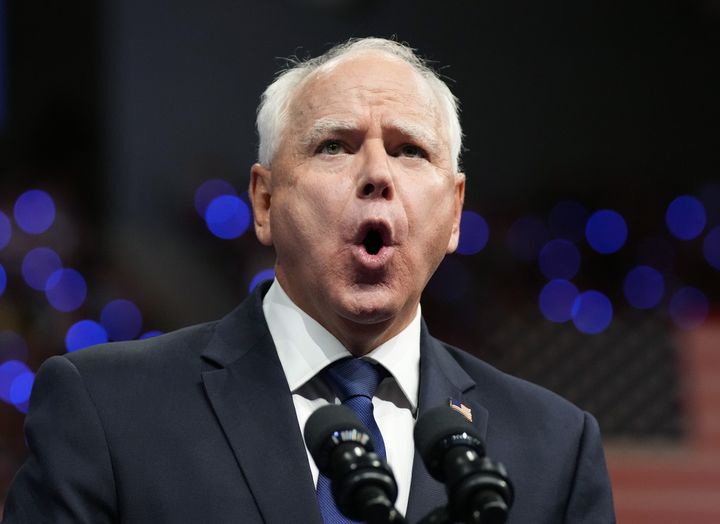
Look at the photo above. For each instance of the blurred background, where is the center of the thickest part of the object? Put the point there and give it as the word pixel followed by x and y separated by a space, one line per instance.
pixel 590 253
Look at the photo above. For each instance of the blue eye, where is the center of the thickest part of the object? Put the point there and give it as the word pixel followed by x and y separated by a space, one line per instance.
pixel 411 151
pixel 331 147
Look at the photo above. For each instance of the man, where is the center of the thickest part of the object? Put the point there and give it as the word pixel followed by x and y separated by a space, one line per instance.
pixel 358 190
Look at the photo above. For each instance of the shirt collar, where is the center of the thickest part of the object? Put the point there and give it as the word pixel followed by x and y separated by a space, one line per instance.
pixel 305 347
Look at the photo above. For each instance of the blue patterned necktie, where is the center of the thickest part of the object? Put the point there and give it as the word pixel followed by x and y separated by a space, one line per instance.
pixel 354 381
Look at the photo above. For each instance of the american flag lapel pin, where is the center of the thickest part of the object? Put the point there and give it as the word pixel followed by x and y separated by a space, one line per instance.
pixel 461 408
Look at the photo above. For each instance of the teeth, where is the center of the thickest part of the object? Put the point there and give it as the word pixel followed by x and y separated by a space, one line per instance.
pixel 373 242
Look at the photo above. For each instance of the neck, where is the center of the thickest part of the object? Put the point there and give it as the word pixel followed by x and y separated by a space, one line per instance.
pixel 359 338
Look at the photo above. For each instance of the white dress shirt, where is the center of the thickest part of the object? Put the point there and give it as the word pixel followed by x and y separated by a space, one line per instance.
pixel 305 348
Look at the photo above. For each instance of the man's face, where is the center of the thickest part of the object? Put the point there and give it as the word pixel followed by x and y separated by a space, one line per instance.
pixel 361 203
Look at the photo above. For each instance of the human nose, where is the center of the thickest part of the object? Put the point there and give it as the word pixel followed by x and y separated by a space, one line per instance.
pixel 375 177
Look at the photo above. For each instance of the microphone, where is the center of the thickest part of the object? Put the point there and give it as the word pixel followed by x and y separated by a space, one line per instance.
pixel 478 489
pixel 362 483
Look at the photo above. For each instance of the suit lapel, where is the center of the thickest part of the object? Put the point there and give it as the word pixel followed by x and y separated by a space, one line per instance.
pixel 253 403
pixel 441 379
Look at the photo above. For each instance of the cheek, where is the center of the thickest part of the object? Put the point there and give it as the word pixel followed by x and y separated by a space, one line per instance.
pixel 431 207
pixel 304 219
pixel 431 220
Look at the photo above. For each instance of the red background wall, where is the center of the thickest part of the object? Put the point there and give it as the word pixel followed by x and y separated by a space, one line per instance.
pixel 660 483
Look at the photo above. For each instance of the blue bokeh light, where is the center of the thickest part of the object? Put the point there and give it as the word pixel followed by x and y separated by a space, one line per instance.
pixel 559 258
pixel 556 300
pixel 689 307
pixel 657 252
pixel 474 233
pixel 12 347
pixel 66 290
pixel 261 276
pixel 34 211
pixel 3 280
pixel 121 319
pixel 37 266
pixel 526 237
pixel 9 371
pixel 21 387
pixel 5 230
pixel 150 334
pixel 711 247
pixel 227 217
pixel 592 312
pixel 643 287
pixel 606 231
pixel 209 191
pixel 685 217
pixel 567 220
pixel 83 334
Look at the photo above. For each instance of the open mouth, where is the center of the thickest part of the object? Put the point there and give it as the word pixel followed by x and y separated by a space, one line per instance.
pixel 373 242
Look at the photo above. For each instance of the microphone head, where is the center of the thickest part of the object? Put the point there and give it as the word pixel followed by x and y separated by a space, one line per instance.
pixel 331 426
pixel 440 429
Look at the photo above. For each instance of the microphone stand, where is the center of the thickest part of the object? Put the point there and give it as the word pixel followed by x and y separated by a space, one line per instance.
pixel 377 507
pixel 483 497
pixel 364 487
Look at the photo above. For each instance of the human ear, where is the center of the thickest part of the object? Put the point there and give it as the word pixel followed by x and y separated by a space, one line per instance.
pixel 459 199
pixel 260 192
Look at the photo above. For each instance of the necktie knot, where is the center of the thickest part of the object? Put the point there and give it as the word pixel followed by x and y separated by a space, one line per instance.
pixel 352 377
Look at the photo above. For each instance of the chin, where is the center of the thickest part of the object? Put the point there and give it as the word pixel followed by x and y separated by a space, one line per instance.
pixel 366 306
pixel 369 315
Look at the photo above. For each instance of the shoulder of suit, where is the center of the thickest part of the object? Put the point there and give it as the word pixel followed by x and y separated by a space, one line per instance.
pixel 510 390
pixel 163 350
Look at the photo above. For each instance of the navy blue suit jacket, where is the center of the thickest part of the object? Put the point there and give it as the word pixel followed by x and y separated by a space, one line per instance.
pixel 198 426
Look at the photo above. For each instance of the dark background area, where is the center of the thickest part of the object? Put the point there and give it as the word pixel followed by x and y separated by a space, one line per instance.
pixel 121 109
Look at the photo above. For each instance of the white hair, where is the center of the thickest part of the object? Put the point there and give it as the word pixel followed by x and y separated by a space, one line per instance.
pixel 272 114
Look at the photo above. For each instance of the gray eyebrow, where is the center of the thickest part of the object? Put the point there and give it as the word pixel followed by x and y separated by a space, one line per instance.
pixel 324 127
pixel 417 132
